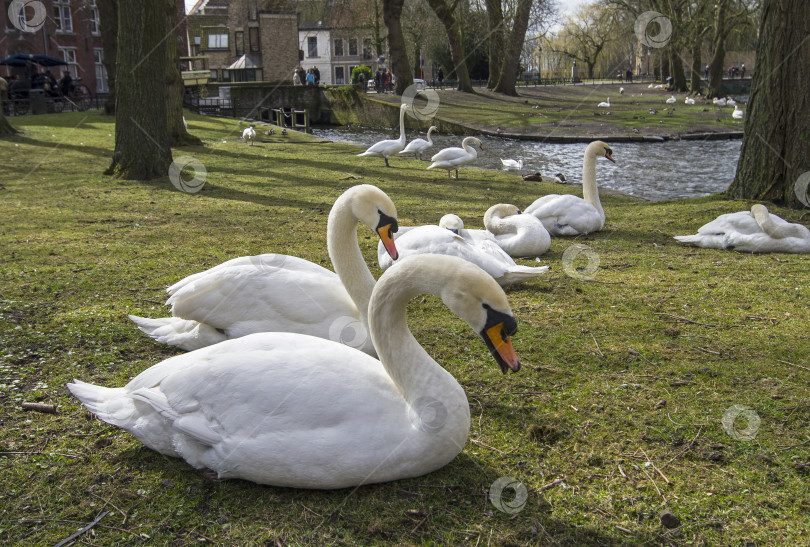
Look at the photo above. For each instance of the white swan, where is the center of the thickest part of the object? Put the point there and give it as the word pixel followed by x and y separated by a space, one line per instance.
pixel 689 100
pixel 568 215
pixel 510 164
pixel 719 102
pixel 387 148
pixel 730 101
pixel 621 92
pixel 293 410
pixel 249 134
pixel 755 231
pixel 450 238
pixel 738 113
pixel 672 100
pixel 520 235
pixel 417 146
pixel 604 104
pixel 274 292
pixel 453 158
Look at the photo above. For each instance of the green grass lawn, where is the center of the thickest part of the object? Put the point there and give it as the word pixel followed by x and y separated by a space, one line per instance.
pixel 615 416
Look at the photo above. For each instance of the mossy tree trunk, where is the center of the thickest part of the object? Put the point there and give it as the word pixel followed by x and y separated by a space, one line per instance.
pixel 445 10
pixel 697 69
pixel 141 137
pixel 678 77
pixel 719 46
pixel 776 146
pixel 392 12
pixel 108 15
pixel 514 47
pixel 5 127
pixel 496 41
pixel 178 135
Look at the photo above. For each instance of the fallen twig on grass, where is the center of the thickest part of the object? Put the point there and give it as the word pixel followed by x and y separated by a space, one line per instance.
pixel 40 454
pixel 39 407
pixel 684 319
pixel 555 482
pixel 793 365
pixel 788 447
pixel 82 531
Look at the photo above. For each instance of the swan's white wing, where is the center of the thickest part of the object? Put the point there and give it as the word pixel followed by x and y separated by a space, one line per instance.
pixel 566 214
pixel 384 148
pixel 448 154
pixel 416 145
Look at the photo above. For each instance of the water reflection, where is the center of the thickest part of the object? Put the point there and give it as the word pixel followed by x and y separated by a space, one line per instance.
pixel 656 171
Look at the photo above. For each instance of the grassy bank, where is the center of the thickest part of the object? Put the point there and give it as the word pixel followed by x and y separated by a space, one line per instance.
pixel 614 417
pixel 571 111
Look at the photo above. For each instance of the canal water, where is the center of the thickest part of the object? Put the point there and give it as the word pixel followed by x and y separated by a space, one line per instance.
pixel 654 171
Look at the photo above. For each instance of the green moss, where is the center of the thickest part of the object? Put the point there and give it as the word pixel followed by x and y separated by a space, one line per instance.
pixel 639 364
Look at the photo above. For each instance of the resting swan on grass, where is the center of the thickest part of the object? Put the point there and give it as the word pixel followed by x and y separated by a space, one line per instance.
pixel 275 292
pixel 451 238
pixel 569 215
pixel 387 148
pixel 520 235
pixel 291 410
pixel 453 158
pixel 755 231
pixel 417 146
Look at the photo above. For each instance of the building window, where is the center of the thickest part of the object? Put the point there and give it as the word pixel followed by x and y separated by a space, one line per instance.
pixel 217 41
pixel 94 18
pixel 253 11
pixel 366 48
pixel 353 47
pixel 61 16
pixel 340 75
pixel 239 39
pixel 338 47
pixel 226 75
pixel 68 55
pixel 254 39
pixel 312 46
pixel 101 70
pixel 213 75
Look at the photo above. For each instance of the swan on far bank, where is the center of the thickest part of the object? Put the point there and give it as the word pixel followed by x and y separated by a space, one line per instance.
pixel 754 231
pixel 569 215
pixel 296 411
pixel 510 164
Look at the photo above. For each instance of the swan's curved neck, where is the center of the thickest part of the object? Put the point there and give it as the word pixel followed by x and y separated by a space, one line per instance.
pixel 414 372
pixel 495 223
pixel 776 231
pixel 428 134
pixel 344 251
pixel 589 190
pixel 468 147
pixel 402 124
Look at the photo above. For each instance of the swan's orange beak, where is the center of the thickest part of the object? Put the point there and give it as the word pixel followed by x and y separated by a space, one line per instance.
pixel 387 237
pixel 500 345
pixel 609 154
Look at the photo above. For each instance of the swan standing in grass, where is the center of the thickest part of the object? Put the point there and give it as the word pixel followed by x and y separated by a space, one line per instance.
pixel 672 100
pixel 417 146
pixel 755 231
pixel 510 164
pixel 568 215
pixel 291 410
pixel 453 158
pixel 450 238
pixel 387 148
pixel 604 104
pixel 249 134
pixel 274 292
pixel 689 100
pixel 737 114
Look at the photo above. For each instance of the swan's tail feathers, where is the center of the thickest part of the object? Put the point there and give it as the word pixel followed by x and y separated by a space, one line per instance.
pixel 193 424
pixel 111 404
pixel 519 274
pixel 183 333
pixel 692 240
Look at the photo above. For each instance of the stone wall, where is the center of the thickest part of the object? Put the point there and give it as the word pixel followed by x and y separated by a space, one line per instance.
pixel 279 37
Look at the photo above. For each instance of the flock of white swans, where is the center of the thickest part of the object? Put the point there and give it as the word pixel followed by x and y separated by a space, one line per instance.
pixel 271 391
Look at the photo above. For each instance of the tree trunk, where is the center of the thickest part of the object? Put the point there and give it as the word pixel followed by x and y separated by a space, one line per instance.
pixel 178 135
pixel 108 15
pixel 392 11
pixel 776 146
pixel 511 64
pixel 446 14
pixel 496 41
pixel 719 45
pixel 5 127
pixel 697 69
pixel 141 137
pixel 678 77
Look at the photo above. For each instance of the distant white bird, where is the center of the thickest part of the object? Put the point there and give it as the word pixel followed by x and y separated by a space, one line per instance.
pixel 621 91
pixel 417 146
pixel 689 100
pixel 604 104
pixel 755 231
pixel 672 100
pixel 249 134
pixel 737 114
pixel 730 101
pixel 719 102
pixel 453 158
pixel 386 148
pixel 651 86
pixel 509 165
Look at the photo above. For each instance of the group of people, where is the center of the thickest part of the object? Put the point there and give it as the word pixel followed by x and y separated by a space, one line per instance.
pixel 306 77
pixel 733 71
pixel 42 79
pixel 383 80
pixel 628 76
